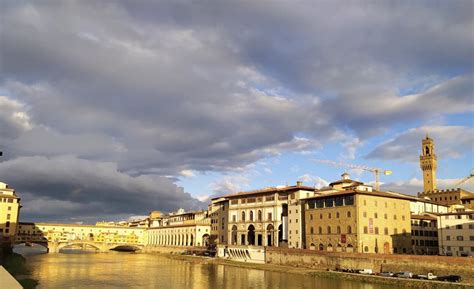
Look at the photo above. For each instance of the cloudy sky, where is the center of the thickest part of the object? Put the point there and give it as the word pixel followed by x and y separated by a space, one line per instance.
pixel 112 109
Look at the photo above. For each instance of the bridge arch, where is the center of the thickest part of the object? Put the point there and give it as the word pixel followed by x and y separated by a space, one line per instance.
pixel 69 244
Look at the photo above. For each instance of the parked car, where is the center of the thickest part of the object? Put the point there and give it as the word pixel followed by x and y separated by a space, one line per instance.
pixel 387 274
pixel 450 278
pixel 403 275
pixel 429 276
pixel 366 271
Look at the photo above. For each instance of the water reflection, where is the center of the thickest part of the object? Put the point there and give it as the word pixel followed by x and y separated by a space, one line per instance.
pixel 126 270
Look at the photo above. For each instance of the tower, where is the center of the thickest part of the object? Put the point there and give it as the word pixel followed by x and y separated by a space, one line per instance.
pixel 428 164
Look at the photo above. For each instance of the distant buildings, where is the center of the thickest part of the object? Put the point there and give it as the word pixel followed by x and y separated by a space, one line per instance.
pixel 9 214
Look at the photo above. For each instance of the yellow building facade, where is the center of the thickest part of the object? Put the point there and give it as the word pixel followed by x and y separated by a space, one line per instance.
pixel 9 214
pixel 358 221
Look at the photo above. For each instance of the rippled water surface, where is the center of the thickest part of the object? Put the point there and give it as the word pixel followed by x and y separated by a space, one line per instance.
pixel 126 270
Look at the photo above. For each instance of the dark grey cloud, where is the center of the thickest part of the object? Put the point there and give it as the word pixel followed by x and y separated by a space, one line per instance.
pixel 160 88
pixel 68 188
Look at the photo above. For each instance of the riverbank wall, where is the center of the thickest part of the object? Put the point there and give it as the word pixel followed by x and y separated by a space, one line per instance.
pixel 438 265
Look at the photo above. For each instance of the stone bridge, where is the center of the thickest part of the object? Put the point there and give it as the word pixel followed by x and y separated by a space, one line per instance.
pixel 56 246
pixel 55 237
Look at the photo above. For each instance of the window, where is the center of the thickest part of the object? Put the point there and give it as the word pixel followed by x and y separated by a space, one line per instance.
pixel 376 230
pixel 460 238
pixel 311 217
pixel 269 216
pixel 349 230
pixel 385 231
pixel 259 215
pixel 234 218
pixel 320 230
pixel 329 229
pixel 365 214
pixel 366 230
pixel 251 215
pixel 471 238
pixel 339 201
pixel 376 215
pixel 385 216
pixel 395 231
pixel 349 200
pixel 9 208
pixel 403 218
pixel 319 204
pixel 320 216
pixel 338 230
pixel 458 226
pixel 243 216
pixel 8 216
pixel 329 216
pixel 349 214
pixel 312 230
pixel 448 238
pixel 329 202
pixel 337 215
pixel 394 217
pixel 366 249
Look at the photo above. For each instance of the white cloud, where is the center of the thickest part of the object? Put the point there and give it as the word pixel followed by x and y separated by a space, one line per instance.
pixel 317 181
pixel 450 142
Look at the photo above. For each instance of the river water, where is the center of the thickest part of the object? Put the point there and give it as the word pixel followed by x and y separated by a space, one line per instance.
pixel 143 271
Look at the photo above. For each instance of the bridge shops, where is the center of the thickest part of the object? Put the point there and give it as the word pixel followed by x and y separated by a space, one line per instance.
pixel 58 236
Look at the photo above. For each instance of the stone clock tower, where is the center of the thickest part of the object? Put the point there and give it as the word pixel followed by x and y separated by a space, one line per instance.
pixel 428 162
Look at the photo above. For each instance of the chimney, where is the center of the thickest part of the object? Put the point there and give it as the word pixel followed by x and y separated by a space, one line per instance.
pixel 299 183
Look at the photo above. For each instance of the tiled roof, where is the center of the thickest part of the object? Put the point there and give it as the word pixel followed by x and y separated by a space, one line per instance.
pixel 269 190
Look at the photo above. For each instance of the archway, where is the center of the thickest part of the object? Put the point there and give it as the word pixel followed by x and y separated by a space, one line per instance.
pixel 386 248
pixel 350 248
pixel 234 235
pixel 280 234
pixel 205 240
pixel 321 247
pixel 270 234
pixel 329 248
pixel 312 246
pixel 251 235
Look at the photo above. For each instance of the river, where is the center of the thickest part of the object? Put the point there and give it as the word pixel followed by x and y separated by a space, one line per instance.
pixel 141 271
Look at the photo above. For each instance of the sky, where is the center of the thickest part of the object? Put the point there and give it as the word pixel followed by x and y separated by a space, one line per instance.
pixel 112 109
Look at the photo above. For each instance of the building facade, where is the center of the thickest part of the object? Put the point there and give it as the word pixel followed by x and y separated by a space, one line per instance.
pixel 456 233
pixel 9 214
pixel 424 234
pixel 358 221
pixel 179 229
pixel 260 218
pixel 218 212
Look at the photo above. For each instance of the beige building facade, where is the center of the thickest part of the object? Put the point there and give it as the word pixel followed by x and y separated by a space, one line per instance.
pixel 9 214
pixel 358 221
pixel 218 212
pixel 456 233
pixel 179 229
pixel 260 218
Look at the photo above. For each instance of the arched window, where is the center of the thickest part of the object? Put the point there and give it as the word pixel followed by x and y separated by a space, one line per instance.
pixel 349 230
pixel 329 229
pixel 251 216
pixel 243 216
pixel 349 214
pixel 259 215
pixel 338 229
pixel 312 230
pixel 366 249
pixel 320 230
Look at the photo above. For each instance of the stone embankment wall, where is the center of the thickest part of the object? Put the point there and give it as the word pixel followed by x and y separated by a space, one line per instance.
pixel 172 249
pixel 438 265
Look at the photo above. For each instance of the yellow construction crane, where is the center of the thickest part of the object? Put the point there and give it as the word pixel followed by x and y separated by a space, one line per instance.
pixel 471 176
pixel 376 171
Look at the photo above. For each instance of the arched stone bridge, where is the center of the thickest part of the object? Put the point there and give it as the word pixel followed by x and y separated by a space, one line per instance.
pixel 56 246
pixel 55 237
